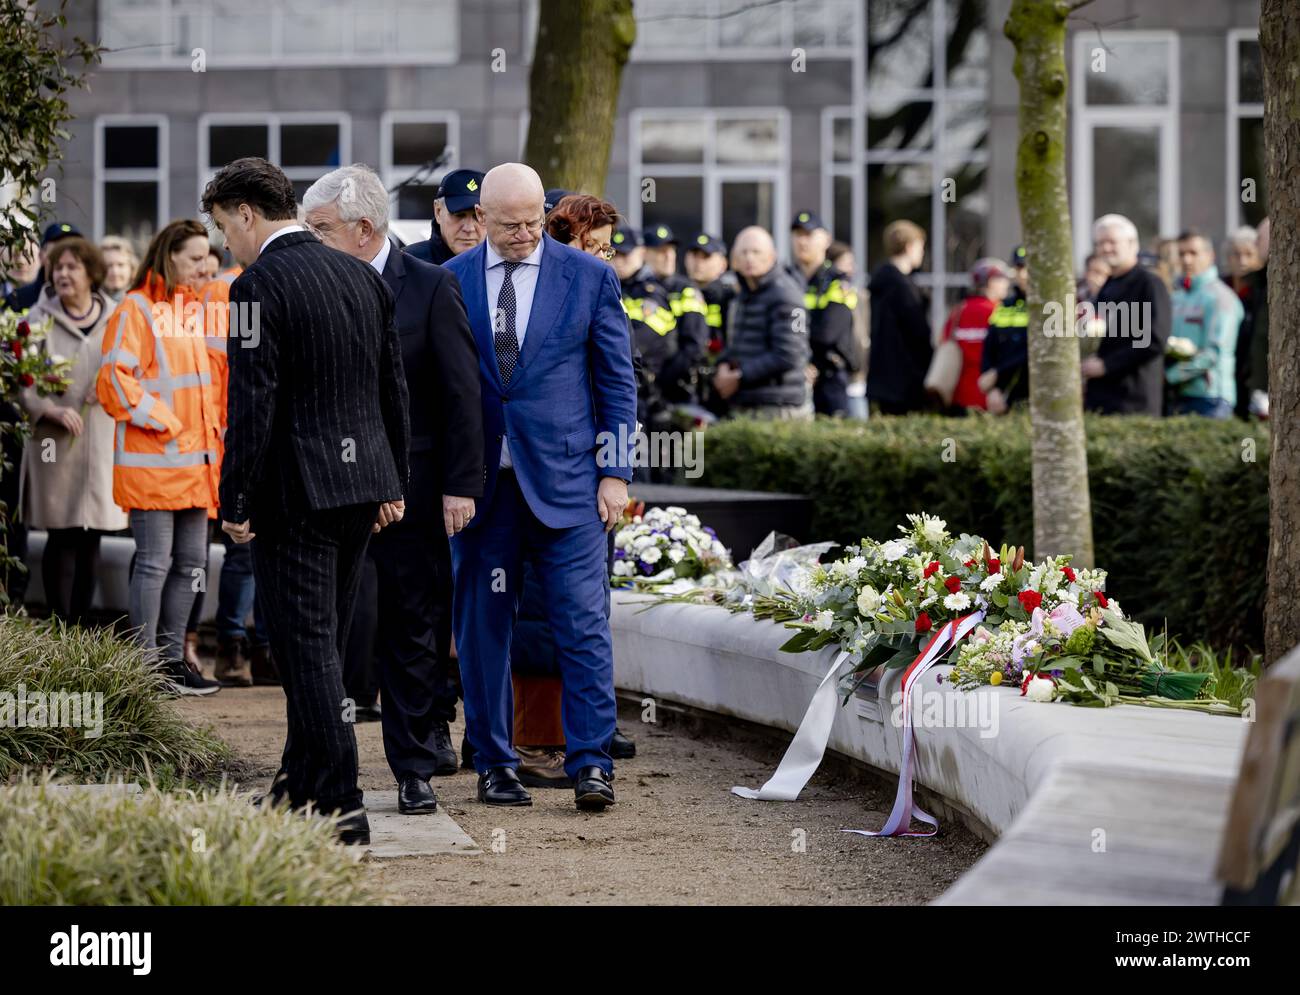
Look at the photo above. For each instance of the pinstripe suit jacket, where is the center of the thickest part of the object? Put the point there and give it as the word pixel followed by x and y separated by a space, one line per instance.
pixel 317 399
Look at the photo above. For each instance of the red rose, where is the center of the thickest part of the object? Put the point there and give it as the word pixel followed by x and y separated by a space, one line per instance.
pixel 923 622
pixel 995 566
pixel 931 568
pixel 26 380
pixel 16 347
pixel 969 563
pixel 24 329
pixel 1069 573
pixel 1029 600
pixel 1102 600
pixel 953 584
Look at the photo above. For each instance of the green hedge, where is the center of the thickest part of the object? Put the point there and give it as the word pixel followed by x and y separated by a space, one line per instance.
pixel 1180 511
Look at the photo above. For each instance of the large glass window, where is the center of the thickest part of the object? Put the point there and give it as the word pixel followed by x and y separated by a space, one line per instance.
pixel 418 149
pixel 278 32
pixel 1125 133
pixel 717 171
pixel 694 29
pixel 130 176
pixel 1247 161
pixel 305 146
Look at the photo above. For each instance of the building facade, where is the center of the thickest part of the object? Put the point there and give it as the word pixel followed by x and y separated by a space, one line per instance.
pixel 732 112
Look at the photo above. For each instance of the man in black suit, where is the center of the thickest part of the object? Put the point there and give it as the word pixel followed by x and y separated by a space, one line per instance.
pixel 348 210
pixel 316 458
pixel 456 227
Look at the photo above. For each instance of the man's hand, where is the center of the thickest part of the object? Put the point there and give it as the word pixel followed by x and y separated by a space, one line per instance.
pixel 988 380
pixel 456 513
pixel 68 419
pixel 727 380
pixel 997 402
pixel 240 533
pixel 611 500
pixel 1092 367
pixel 389 512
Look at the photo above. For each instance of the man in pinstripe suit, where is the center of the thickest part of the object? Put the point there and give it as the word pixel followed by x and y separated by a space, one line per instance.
pixel 316 458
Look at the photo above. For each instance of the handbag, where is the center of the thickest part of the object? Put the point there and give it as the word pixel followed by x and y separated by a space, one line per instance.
pixel 945 370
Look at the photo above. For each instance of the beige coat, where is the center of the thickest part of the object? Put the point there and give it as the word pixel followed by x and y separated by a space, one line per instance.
pixel 67 481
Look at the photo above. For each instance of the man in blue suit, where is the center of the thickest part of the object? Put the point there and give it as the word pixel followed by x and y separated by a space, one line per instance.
pixel 559 414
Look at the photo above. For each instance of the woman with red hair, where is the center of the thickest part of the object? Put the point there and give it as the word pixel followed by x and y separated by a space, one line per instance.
pixel 584 222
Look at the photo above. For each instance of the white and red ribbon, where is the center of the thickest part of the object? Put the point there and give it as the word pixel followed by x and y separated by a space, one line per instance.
pixel 804 755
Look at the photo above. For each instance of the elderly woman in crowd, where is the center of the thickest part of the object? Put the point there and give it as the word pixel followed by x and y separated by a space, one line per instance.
pixel 120 263
pixel 68 462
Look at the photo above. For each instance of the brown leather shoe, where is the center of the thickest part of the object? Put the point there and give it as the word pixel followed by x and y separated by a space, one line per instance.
pixel 542 768
pixel 232 668
pixel 263 667
pixel 192 653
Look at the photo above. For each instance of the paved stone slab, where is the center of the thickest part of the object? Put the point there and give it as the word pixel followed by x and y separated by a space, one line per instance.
pixel 395 835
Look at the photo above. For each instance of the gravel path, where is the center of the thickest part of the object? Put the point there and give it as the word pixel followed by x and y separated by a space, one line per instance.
pixel 676 836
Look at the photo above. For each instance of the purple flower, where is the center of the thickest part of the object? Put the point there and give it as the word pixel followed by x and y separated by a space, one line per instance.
pixel 619 554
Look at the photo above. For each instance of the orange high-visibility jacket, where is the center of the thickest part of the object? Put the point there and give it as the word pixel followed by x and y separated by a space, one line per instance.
pixel 155 380
pixel 216 329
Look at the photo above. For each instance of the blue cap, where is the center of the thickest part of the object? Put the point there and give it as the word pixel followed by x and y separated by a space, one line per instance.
pixel 553 197
pixel 704 242
pixel 57 231
pixel 626 238
pixel 807 221
pixel 459 189
pixel 1018 256
pixel 657 235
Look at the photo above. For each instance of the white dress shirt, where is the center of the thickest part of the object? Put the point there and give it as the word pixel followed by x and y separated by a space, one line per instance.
pixel 276 234
pixel 525 281
pixel 381 257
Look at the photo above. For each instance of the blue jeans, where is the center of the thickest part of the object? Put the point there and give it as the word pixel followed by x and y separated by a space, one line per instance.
pixel 235 596
pixel 170 554
pixel 1208 407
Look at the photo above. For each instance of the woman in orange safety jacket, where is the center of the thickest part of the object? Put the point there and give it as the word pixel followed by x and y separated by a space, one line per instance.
pixel 156 381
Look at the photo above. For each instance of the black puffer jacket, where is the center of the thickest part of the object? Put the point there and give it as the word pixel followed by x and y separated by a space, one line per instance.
pixel 769 342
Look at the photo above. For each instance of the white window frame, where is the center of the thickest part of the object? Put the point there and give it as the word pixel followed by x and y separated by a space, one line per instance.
pixel 392 174
pixel 276 19
pixel 1236 110
pixel 158 174
pixel 714 51
pixel 709 171
pixel 274 121
pixel 1088 118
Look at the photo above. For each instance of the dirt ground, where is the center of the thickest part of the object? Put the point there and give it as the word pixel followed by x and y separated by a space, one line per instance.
pixel 676 835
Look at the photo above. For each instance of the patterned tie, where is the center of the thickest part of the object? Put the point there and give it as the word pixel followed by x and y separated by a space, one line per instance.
pixel 503 335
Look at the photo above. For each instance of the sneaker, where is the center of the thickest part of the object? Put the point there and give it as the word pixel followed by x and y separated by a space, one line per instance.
pixel 185 681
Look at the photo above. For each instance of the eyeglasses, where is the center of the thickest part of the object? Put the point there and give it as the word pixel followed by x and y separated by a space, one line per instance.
pixel 594 248
pixel 514 227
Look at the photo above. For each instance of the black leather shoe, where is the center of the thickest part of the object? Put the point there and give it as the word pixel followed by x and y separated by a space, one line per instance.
pixel 354 829
pixel 415 797
pixel 444 754
pixel 620 747
pixel 592 790
pixel 277 794
pixel 500 786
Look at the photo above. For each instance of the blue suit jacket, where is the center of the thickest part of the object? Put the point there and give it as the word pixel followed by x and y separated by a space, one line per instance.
pixel 570 407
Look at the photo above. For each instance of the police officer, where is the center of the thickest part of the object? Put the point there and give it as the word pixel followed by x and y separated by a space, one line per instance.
pixel 829 300
pixel 456 227
pixel 654 329
pixel 1004 364
pixel 687 302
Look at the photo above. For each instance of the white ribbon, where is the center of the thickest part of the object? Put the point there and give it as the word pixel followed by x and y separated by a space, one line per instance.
pixel 804 755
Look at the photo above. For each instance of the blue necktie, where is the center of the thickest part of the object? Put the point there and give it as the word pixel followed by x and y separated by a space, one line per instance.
pixel 504 335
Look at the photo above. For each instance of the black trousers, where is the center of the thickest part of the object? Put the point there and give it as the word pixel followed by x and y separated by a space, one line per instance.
pixel 68 568
pixel 306 567
pixel 412 563
pixel 359 678
pixel 831 392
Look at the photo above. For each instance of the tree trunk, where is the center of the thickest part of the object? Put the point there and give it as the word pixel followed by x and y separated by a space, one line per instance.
pixel 1279 42
pixel 1062 506
pixel 578 61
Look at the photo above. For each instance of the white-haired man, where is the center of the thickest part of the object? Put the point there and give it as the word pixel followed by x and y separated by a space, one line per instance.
pixel 1126 375
pixel 410 562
